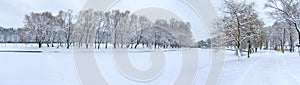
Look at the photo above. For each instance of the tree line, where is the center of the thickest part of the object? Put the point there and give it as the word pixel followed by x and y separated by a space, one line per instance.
pixel 240 27
pixel 8 35
pixel 94 28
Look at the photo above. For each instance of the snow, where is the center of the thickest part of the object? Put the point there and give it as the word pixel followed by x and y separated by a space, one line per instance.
pixel 36 69
pixel 263 68
pixel 55 66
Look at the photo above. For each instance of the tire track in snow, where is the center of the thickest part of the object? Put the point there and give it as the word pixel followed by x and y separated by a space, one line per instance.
pixel 254 75
pixel 267 69
pixel 289 71
pixel 240 80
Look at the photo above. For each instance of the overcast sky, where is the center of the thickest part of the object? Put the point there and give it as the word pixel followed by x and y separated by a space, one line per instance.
pixel 12 11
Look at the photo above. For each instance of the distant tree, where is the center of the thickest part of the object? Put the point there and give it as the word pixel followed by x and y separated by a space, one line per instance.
pixel 201 44
pixel 181 30
pixel 92 27
pixel 208 42
pixel 65 20
pixel 100 31
pixel 39 24
pixel 142 23
pixel 86 27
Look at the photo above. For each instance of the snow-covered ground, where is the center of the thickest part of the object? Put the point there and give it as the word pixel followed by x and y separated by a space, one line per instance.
pixel 54 66
pixel 263 68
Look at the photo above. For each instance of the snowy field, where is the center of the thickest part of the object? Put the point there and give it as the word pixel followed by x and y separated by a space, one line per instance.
pixel 28 65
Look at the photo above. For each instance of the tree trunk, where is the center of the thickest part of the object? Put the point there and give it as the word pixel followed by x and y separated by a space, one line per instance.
pixel 52 45
pixel 106 45
pixel 298 31
pixel 238 44
pixel 48 44
pixel 256 50
pixel 267 44
pixel 86 45
pixel 68 45
pixel 40 44
pixel 249 48
pixel 136 45
pixel 106 42
pixel 238 52
pixel 283 41
pixel 68 37
pixel 291 43
pixel 52 41
pixel 99 45
pixel 138 41
pixel 282 47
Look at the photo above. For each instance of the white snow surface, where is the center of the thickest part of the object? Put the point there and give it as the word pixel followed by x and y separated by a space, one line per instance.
pixel 55 66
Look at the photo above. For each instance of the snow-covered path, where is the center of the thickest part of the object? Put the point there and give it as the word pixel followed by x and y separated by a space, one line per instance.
pixel 269 68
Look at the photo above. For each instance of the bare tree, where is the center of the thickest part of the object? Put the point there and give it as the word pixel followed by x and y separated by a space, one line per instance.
pixel 38 24
pixel 121 29
pixel 68 27
pixel 287 10
pixel 239 25
pixel 143 22
pixel 86 27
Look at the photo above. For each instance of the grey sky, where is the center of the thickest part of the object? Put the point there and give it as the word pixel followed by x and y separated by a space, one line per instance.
pixel 12 11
